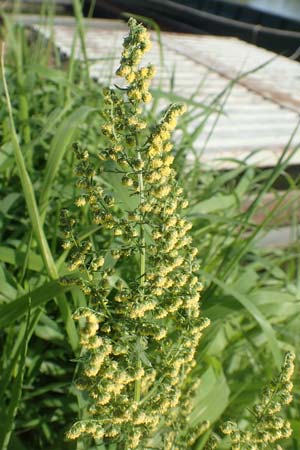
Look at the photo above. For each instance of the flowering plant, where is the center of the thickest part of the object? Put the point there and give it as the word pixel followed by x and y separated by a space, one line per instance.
pixel 141 329
pixel 140 333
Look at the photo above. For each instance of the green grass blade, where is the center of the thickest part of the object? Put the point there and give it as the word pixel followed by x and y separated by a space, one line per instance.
pixel 15 37
pixel 27 185
pixel 212 397
pixel 7 424
pixel 229 259
pixel 9 369
pixel 10 312
pixel 62 139
pixel 35 216
pixel 17 258
pixel 255 313
pixel 77 7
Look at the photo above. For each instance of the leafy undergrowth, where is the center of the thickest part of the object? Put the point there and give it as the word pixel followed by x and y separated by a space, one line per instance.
pixel 251 295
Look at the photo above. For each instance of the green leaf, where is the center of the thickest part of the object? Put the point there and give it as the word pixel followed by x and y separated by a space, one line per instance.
pixel 7 202
pixel 296 427
pixel 219 202
pixel 126 200
pixel 54 75
pixel 14 310
pixel 275 304
pixel 255 313
pixel 8 292
pixel 47 333
pixel 60 142
pixel 17 258
pixel 8 415
pixel 244 184
pixel 246 281
pixel 211 398
pixel 173 97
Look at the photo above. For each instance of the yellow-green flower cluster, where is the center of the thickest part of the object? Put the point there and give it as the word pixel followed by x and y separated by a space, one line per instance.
pixel 181 435
pixel 139 334
pixel 268 426
pixel 134 46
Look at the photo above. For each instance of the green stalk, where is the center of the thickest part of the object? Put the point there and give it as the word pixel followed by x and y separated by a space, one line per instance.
pixel 23 110
pixel 71 68
pixel 142 232
pixel 137 386
pixel 80 27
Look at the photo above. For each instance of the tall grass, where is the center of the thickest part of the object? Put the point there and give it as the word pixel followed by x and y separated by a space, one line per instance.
pixel 251 295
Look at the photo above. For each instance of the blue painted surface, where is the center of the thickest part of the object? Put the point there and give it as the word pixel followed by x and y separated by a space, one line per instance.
pixel 285 8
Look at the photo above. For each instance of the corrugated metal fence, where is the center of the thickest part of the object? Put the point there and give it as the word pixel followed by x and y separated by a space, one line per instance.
pixel 260 104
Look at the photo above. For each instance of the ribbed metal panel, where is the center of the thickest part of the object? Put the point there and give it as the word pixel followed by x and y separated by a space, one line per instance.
pixel 260 111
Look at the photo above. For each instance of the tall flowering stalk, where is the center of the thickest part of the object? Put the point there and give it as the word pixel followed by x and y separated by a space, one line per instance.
pixel 141 329
pixel 139 336
pixel 267 425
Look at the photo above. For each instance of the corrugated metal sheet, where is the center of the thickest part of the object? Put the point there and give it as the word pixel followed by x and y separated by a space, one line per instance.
pixel 259 111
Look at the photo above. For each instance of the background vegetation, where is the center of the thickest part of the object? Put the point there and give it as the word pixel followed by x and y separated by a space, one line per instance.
pixel 251 295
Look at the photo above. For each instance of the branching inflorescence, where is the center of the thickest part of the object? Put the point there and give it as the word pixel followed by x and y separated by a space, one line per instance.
pixel 140 335
pixel 267 425
pixel 142 326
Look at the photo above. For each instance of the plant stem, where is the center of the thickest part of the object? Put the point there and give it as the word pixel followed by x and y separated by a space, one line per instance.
pixel 23 103
pixel 80 26
pixel 15 38
pixel 137 387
